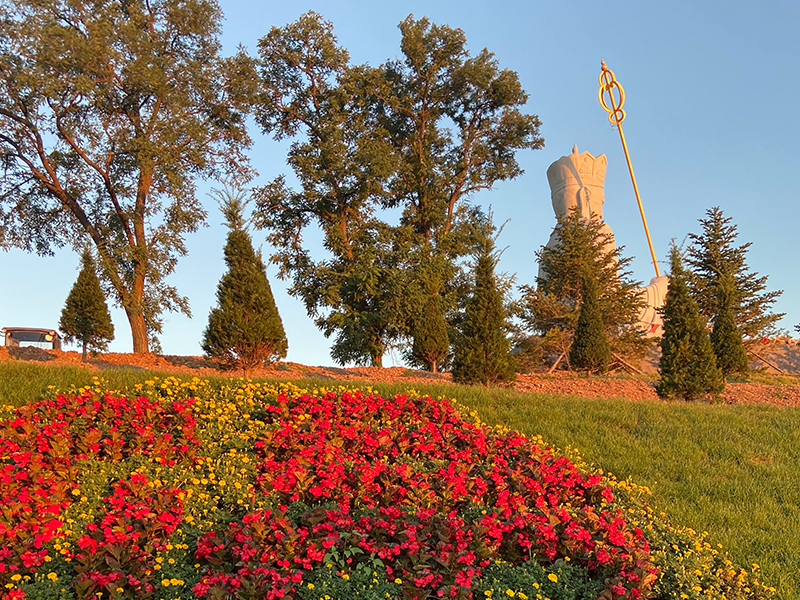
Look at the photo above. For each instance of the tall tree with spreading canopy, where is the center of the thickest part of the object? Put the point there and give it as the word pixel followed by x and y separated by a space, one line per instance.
pixel 552 308
pixel 245 329
pixel 713 253
pixel 85 317
pixel 309 92
pixel 108 111
pixel 367 139
pixel 455 123
pixel 688 367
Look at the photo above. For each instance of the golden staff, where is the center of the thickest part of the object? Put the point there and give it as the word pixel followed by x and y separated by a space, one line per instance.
pixel 616 115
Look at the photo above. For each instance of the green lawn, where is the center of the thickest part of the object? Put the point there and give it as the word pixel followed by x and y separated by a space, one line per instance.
pixel 733 471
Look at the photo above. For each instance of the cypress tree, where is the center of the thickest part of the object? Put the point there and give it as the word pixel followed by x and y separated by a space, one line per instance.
pixel 726 338
pixel 483 350
pixel 590 349
pixel 431 343
pixel 688 367
pixel 85 317
pixel 245 329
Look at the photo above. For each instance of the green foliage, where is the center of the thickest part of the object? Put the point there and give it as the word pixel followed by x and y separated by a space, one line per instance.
pixel 431 343
pixel 420 134
pixel 552 309
pixel 85 317
pixel 109 112
pixel 713 253
pixel 245 329
pixel 687 367
pixel 483 350
pixel 590 349
pixel 725 337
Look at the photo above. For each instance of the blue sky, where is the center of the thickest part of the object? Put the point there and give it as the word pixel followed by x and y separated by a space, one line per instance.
pixel 712 98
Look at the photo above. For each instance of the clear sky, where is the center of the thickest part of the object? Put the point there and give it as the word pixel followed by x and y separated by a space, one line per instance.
pixel 712 98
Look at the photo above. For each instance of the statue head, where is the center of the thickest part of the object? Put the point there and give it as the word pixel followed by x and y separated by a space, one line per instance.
pixel 577 181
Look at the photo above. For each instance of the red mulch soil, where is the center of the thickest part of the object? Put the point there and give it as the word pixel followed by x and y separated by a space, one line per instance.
pixel 786 358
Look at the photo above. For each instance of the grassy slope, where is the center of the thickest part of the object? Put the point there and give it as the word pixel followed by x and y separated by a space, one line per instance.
pixel 731 470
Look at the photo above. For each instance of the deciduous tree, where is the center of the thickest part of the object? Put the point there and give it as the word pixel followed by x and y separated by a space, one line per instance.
pixel 85 317
pixel 418 135
pixel 108 111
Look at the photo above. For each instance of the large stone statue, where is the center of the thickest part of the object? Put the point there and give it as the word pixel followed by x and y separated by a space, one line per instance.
pixel 577 181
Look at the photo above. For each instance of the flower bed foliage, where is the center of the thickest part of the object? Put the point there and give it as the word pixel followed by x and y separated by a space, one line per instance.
pixel 250 491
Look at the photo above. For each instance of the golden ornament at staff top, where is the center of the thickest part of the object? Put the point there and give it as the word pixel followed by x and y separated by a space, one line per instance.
pixel 616 115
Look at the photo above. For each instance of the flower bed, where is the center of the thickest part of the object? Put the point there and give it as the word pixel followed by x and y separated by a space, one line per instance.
pixel 248 491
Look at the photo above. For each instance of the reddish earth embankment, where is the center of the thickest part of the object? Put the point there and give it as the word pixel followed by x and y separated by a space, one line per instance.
pixel 785 358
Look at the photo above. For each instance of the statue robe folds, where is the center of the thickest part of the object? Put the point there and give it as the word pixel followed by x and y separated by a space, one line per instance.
pixel 577 180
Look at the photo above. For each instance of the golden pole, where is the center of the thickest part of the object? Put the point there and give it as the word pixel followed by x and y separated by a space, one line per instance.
pixel 616 115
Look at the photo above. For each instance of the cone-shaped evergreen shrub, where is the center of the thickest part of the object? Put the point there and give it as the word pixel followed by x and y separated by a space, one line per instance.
pixel 726 339
pixel 245 329
pixel 85 317
pixel 688 367
pixel 590 350
pixel 431 343
pixel 483 351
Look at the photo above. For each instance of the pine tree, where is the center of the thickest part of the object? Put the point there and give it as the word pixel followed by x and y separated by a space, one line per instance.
pixel 590 349
pixel 431 343
pixel 714 252
pixel 245 329
pixel 688 367
pixel 726 338
pixel 483 350
pixel 551 309
pixel 85 317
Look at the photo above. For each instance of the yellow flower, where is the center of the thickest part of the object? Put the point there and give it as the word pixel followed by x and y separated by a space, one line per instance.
pixel 553 577
pixel 165 582
pixel 398 581
pixel 510 593
pixel 311 586
pixel 52 576
pixel 16 577
pixel 345 576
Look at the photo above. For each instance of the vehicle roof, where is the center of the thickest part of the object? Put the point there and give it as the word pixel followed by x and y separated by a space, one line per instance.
pixel 29 330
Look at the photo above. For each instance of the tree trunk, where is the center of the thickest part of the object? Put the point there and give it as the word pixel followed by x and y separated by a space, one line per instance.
pixel 377 360
pixel 83 356
pixel 138 332
pixel 433 367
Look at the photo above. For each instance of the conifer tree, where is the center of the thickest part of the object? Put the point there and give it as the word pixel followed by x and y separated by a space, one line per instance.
pixel 483 350
pixel 85 317
pixel 551 309
pixel 244 329
pixel 714 252
pixel 725 337
pixel 431 343
pixel 688 367
pixel 590 349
